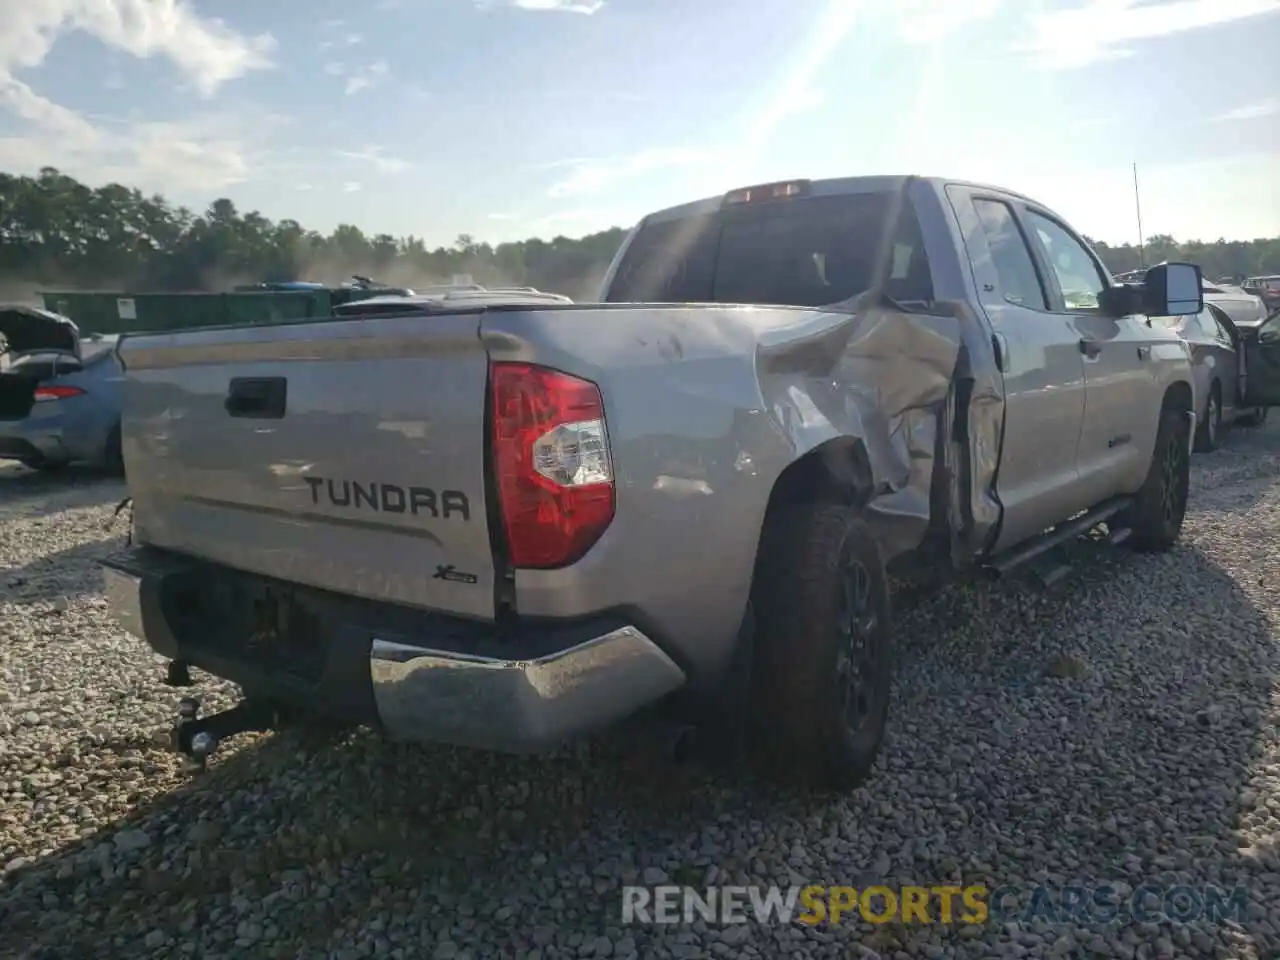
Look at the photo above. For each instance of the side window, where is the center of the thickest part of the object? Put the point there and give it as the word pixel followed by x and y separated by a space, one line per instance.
pixel 1010 255
pixel 1078 275
pixel 1214 326
pixel 902 253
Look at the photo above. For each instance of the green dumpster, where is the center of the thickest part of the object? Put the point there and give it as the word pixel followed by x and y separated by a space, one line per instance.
pixel 118 311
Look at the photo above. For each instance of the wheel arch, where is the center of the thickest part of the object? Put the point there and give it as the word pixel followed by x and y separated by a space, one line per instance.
pixel 1178 396
pixel 837 470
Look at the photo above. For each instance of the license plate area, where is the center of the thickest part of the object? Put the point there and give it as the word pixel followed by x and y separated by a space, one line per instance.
pixel 275 628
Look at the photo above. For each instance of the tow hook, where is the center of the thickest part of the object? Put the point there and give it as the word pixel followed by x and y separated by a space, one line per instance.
pixel 197 737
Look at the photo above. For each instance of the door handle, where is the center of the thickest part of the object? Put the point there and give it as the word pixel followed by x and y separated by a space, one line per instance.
pixel 257 398
pixel 1001 347
pixel 1090 348
pixel 1144 351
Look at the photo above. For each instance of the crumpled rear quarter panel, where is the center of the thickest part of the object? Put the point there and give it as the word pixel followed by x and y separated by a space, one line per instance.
pixel 706 408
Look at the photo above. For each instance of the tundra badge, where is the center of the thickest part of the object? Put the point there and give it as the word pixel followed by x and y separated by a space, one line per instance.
pixel 390 498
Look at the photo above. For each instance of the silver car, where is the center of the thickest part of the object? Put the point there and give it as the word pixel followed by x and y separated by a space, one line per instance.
pixel 59 392
pixel 1245 309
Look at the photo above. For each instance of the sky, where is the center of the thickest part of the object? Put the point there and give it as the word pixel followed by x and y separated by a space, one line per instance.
pixel 506 119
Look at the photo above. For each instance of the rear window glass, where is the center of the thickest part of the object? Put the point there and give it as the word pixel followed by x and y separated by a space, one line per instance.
pixel 807 253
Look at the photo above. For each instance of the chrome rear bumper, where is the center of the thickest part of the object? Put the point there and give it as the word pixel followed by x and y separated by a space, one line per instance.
pixel 417 691
pixel 514 705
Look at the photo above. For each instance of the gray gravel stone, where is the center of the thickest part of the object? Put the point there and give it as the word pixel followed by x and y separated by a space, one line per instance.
pixel 1119 728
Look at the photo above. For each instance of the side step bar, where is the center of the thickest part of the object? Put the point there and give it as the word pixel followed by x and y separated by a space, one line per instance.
pixel 1023 553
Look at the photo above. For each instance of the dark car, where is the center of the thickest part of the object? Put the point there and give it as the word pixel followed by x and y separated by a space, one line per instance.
pixel 1216 348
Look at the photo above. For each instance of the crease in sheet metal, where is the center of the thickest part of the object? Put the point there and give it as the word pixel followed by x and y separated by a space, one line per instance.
pixel 888 377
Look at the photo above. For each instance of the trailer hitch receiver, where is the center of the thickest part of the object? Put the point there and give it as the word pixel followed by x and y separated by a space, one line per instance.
pixel 197 737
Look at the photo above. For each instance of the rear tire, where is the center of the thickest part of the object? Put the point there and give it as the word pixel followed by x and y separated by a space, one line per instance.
pixel 1161 505
pixel 1210 428
pixel 822 670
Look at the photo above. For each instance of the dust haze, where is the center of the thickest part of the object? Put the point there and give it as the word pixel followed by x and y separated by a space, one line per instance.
pixel 331 272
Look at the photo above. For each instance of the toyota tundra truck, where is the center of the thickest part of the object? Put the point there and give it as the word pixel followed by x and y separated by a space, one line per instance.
pixel 499 520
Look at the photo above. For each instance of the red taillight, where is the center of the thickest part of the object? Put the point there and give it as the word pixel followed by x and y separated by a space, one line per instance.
pixel 551 457
pixel 56 393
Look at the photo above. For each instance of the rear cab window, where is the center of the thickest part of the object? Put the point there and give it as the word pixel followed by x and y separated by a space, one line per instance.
pixel 806 252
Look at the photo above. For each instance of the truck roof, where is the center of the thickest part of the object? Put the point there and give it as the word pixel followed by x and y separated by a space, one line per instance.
pixel 831 186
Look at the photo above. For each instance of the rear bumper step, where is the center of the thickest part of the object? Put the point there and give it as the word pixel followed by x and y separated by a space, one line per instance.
pixel 517 705
pixel 412 687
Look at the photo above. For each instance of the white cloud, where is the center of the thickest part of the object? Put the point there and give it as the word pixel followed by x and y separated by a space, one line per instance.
pixel 350 40
pixel 1102 30
pixel 590 176
pixel 377 158
pixel 502 216
pixel 365 78
pixel 206 51
pixel 200 152
pixel 352 186
pixel 332 29
pixel 569 216
pixel 802 101
pixel 1251 111
pixel 197 155
pixel 571 222
pixel 586 7
pixel 929 21
pixel 565 6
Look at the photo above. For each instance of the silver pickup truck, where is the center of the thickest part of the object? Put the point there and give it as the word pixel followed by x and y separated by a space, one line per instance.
pixel 499 520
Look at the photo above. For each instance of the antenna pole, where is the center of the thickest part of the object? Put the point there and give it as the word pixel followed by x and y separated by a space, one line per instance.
pixel 1137 204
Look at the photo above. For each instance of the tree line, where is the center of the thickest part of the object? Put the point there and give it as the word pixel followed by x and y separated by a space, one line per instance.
pixel 58 233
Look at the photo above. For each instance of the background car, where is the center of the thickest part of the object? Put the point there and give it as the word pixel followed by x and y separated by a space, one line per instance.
pixel 1268 288
pixel 1244 308
pixel 1216 351
pixel 59 392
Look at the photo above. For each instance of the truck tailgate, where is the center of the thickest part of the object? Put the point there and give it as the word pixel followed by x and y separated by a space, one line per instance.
pixel 346 455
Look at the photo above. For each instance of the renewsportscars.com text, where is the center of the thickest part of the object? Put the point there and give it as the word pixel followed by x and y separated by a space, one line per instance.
pixel 941 903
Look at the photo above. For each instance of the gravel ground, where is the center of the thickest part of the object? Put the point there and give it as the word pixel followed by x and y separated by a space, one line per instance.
pixel 1119 728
